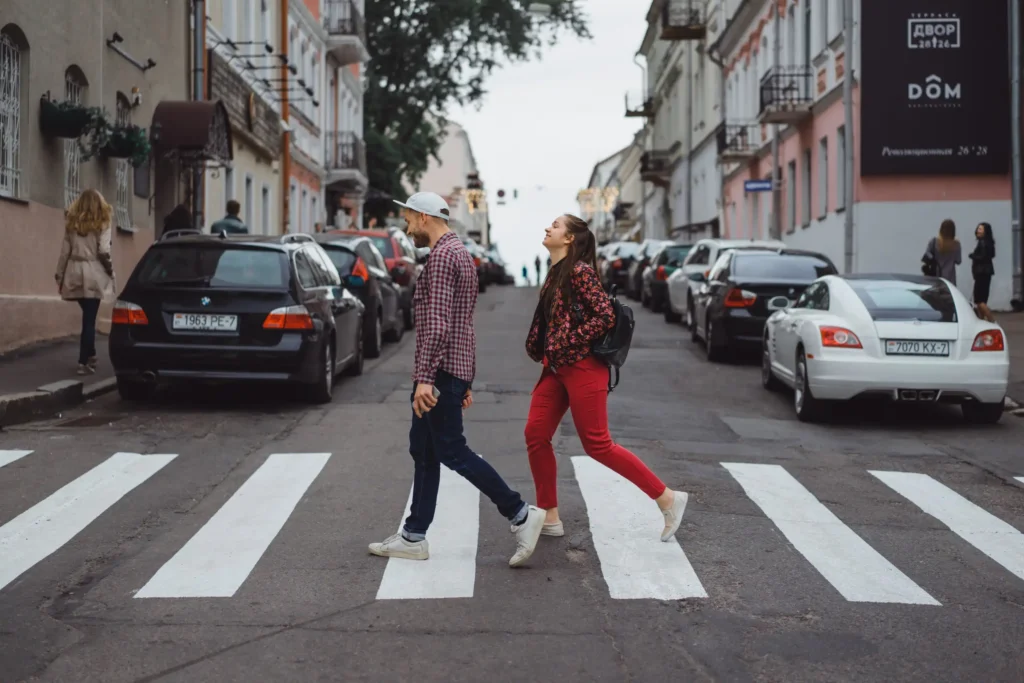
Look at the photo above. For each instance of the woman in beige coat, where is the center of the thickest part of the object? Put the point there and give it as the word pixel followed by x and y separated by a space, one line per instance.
pixel 85 272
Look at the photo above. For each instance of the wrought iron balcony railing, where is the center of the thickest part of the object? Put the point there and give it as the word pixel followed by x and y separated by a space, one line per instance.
pixel 786 94
pixel 345 151
pixel 643 110
pixel 683 20
pixel 343 18
pixel 738 141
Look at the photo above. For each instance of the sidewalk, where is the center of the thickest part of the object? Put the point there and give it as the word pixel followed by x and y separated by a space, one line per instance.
pixel 40 379
pixel 1013 324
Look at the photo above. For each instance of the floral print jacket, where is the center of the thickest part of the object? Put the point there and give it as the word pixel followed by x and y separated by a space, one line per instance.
pixel 569 334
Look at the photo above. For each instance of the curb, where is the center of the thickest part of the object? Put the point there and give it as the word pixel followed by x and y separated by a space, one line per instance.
pixel 49 399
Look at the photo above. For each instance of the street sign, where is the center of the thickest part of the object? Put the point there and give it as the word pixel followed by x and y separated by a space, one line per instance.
pixel 757 186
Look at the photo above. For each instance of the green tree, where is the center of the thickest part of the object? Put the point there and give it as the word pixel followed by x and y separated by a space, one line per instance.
pixel 429 54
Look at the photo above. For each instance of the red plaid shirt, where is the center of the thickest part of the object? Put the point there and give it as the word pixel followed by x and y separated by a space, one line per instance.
pixel 444 303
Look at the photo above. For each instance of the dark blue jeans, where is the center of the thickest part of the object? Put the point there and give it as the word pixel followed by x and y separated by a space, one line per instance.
pixel 436 439
pixel 87 343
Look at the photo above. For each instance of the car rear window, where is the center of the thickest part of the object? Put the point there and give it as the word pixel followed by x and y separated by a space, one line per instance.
pixel 677 253
pixel 781 266
pixel 202 266
pixel 898 300
pixel 384 246
pixel 343 259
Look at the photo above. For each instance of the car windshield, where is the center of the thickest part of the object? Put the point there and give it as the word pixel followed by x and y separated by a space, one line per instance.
pixel 677 253
pixel 342 258
pixel 781 266
pixel 384 246
pixel 205 266
pixel 899 300
pixel 628 249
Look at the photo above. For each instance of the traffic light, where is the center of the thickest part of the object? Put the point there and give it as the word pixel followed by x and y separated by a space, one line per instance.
pixel 501 197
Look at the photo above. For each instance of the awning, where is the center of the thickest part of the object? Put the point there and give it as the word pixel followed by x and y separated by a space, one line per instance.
pixel 196 131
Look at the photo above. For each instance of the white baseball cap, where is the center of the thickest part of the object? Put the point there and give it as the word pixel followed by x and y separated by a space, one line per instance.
pixel 428 203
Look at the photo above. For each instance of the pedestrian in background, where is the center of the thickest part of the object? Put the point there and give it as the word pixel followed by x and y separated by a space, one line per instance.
pixel 526 275
pixel 573 312
pixel 232 224
pixel 180 218
pixel 445 300
pixel 85 270
pixel 536 264
pixel 943 253
pixel 982 269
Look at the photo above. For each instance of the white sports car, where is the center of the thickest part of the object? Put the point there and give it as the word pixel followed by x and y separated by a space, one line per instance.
pixel 904 337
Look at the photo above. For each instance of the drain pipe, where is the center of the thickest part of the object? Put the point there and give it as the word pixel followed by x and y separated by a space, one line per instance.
pixel 643 186
pixel 776 227
pixel 717 60
pixel 1015 58
pixel 198 93
pixel 847 190
pixel 689 136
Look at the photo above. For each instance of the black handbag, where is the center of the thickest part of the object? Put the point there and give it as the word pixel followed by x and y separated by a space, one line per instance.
pixel 613 348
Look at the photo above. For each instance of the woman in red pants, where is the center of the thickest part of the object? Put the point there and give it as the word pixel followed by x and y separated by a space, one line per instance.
pixel 573 312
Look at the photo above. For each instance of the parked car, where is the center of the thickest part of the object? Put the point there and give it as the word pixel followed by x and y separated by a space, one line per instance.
pixel 635 275
pixel 744 288
pixel 480 259
pixel 402 266
pixel 665 261
pixel 618 259
pixel 418 259
pixel 896 337
pixel 362 266
pixel 500 274
pixel 684 282
pixel 205 307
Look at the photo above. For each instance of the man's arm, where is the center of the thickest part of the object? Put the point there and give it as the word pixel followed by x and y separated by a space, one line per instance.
pixel 432 333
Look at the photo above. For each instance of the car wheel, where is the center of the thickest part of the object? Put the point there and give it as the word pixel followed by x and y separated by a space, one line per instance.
pixel 982 413
pixel 355 368
pixel 134 390
pixel 323 390
pixel 768 379
pixel 714 353
pixel 373 337
pixel 689 312
pixel 808 408
pixel 396 333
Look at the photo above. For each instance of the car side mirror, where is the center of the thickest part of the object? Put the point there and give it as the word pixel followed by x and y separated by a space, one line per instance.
pixel 354 281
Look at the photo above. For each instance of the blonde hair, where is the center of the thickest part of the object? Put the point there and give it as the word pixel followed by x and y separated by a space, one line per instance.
pixel 947 236
pixel 89 213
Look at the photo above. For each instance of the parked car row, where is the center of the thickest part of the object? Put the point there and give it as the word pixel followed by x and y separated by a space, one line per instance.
pixel 831 337
pixel 490 267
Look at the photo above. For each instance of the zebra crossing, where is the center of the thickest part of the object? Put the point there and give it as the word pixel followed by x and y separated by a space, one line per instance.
pixel 217 560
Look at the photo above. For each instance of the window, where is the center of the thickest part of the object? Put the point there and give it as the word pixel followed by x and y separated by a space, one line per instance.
pixel 247 207
pixel 122 171
pixel 790 34
pixel 822 37
pixel 265 210
pixel 304 211
pixel 315 212
pixel 807 33
pixel 699 256
pixel 841 168
pixel 10 116
pixel 906 300
pixel 781 266
pixel 229 184
pixel 74 91
pixel 184 266
pixel 304 271
pixel 814 298
pixel 805 190
pixel 293 209
pixel 791 196
pixel 823 178
pixel 326 273
pixel 342 258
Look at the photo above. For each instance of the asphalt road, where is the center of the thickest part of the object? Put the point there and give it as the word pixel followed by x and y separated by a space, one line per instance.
pixel 228 540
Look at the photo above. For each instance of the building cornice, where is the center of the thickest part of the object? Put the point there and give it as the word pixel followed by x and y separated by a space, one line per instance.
pixel 736 28
pixel 298 9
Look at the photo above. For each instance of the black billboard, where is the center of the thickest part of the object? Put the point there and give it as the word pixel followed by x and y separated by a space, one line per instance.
pixel 935 87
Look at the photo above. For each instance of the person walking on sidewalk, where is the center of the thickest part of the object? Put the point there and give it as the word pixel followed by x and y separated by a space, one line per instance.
pixel 231 223
pixel 943 252
pixel 982 269
pixel 574 311
pixel 445 297
pixel 85 271
pixel 536 265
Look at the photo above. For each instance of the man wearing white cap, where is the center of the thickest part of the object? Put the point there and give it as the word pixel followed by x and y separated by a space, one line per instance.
pixel 445 367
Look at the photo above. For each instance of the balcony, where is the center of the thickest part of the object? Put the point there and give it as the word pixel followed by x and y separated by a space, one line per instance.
pixel 737 142
pixel 786 94
pixel 656 167
pixel 683 20
pixel 346 32
pixel 644 110
pixel 345 159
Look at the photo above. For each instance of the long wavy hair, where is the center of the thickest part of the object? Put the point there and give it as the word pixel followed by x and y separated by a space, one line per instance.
pixel 582 247
pixel 947 236
pixel 986 236
pixel 90 213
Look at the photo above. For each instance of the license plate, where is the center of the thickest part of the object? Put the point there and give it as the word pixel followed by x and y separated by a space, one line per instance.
pixel 898 347
pixel 205 322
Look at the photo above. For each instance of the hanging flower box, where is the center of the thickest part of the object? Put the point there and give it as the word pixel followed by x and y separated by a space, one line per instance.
pixel 63 119
pixel 128 142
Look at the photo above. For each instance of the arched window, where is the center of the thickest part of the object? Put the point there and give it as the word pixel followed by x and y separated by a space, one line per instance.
pixel 74 91
pixel 13 76
pixel 123 201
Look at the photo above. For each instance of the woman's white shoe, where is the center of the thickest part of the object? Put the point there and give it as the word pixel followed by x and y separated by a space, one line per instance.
pixel 674 515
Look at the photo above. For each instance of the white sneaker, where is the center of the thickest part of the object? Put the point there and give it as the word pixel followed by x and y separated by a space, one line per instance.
pixel 398 546
pixel 527 535
pixel 555 529
pixel 674 515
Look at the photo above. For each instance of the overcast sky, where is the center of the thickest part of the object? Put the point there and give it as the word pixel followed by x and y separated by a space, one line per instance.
pixel 544 124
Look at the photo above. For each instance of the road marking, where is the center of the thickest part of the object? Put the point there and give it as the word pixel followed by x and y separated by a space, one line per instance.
pixel 1020 479
pixel 626 527
pixel 853 567
pixel 7 457
pixel 218 559
pixel 451 570
pixel 45 527
pixel 986 532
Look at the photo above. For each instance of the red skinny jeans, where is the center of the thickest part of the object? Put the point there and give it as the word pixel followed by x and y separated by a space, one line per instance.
pixel 582 388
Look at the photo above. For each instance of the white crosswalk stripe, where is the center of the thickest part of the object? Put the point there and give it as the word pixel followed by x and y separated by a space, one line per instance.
pixel 44 528
pixel 626 528
pixel 1020 479
pixel 7 457
pixel 451 570
pixel 981 529
pixel 853 567
pixel 217 560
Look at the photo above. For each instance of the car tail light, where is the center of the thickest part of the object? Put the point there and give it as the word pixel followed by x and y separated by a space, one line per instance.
pixel 989 340
pixel 739 298
pixel 126 313
pixel 360 270
pixel 288 318
pixel 661 274
pixel 476 260
pixel 839 338
pixel 617 263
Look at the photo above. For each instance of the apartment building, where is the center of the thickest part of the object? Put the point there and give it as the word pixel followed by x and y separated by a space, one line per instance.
pixel 600 199
pixel 930 138
pixel 454 175
pixel 60 63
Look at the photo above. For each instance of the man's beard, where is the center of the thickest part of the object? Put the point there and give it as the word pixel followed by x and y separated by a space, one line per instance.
pixel 419 239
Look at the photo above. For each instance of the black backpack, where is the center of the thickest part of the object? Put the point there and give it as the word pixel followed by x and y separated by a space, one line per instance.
pixel 613 348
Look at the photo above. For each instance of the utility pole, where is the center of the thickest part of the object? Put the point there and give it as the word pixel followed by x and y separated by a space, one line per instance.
pixel 198 93
pixel 847 190
pixel 776 226
pixel 1015 21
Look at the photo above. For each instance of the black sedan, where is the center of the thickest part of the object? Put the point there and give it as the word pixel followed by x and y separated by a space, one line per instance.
pixel 744 288
pixel 654 290
pixel 205 307
pixel 364 270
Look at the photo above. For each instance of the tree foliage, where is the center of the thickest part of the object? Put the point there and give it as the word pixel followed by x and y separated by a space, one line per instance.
pixel 426 55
